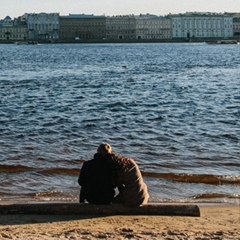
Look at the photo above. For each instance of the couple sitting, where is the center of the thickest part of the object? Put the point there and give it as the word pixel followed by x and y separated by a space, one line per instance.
pixel 100 176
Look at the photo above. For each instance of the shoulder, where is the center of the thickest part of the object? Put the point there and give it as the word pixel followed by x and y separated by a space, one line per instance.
pixel 98 156
pixel 120 161
pixel 87 164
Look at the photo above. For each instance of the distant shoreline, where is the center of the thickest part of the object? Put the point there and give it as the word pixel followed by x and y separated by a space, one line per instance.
pixel 118 41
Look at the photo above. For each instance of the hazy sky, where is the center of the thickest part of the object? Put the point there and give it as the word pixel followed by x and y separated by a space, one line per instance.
pixel 15 8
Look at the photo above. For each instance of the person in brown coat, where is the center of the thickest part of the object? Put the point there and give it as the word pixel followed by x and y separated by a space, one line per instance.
pixel 128 179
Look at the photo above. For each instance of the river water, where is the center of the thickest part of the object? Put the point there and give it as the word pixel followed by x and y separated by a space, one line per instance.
pixel 173 107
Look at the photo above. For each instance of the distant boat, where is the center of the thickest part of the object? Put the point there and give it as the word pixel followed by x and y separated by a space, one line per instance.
pixel 21 43
pixel 26 43
pixel 32 43
pixel 222 42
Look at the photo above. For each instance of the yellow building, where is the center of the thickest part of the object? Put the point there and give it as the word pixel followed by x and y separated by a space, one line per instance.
pixel 121 27
pixel 153 27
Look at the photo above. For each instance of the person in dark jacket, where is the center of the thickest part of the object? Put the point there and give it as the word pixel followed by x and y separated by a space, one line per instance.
pixel 95 178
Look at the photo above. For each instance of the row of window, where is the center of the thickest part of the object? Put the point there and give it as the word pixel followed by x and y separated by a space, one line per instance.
pixel 154 32
pixel 93 29
pixel 153 23
pixel 202 20
pixel 155 37
pixel 56 25
pixel 201 33
pixel 12 31
pixel 45 36
pixel 153 26
pixel 83 36
pixel 120 23
pixel 121 32
pixel 207 31
pixel 43 29
pixel 117 36
pixel 76 23
pixel 15 36
pixel 118 27
pixel 203 26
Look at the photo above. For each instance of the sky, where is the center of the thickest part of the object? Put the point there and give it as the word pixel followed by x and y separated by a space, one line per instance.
pixel 16 8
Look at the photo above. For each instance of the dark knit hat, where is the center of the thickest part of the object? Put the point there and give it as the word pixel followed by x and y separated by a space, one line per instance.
pixel 104 149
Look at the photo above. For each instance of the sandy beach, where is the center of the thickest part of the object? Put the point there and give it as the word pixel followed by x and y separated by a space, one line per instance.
pixel 215 222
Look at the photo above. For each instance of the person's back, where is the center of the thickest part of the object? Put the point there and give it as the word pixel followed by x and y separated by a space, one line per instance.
pixel 128 178
pixel 95 180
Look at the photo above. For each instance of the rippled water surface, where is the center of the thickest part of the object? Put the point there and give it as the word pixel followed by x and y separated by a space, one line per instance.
pixel 174 108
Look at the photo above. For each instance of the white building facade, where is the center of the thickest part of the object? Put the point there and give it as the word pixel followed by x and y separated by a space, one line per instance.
pixel 153 27
pixel 202 25
pixel 43 26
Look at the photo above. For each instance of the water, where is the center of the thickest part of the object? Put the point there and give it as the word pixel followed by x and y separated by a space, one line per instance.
pixel 174 108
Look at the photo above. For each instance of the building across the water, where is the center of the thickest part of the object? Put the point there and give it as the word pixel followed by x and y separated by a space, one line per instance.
pixel 13 29
pixel 43 26
pixel 121 27
pixel 153 27
pixel 202 25
pixel 51 27
pixel 82 27
pixel 236 25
